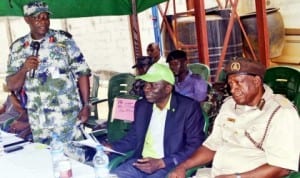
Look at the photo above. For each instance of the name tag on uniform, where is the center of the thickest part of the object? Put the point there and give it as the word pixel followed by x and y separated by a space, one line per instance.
pixel 231 119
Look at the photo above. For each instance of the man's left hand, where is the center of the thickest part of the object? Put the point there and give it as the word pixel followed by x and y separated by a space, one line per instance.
pixel 84 114
pixel 18 126
pixel 149 165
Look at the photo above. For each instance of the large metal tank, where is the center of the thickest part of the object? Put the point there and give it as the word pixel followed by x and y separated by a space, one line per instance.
pixel 217 22
pixel 275 29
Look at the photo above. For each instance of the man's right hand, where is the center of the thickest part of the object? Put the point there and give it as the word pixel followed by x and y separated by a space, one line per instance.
pixel 107 145
pixel 32 62
pixel 178 172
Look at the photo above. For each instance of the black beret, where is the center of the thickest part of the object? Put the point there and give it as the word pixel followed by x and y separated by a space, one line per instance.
pixel 143 61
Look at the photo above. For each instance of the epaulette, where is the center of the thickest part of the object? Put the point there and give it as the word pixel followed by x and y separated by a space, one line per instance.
pixel 67 34
pixel 16 41
pixel 283 101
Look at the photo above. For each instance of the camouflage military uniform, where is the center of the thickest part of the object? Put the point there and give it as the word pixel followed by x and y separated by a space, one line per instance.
pixel 53 100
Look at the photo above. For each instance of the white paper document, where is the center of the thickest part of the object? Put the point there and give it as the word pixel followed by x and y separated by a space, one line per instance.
pixel 91 143
pixel 8 138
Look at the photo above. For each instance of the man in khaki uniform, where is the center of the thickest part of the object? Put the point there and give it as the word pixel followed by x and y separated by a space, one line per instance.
pixel 256 133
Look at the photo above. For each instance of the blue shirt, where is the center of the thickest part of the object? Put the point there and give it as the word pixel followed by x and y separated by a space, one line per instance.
pixel 192 86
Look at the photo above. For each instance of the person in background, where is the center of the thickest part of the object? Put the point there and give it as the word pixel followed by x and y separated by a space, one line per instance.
pixel 186 83
pixel 49 66
pixel 256 133
pixel 20 125
pixel 15 115
pixel 153 50
pixel 11 108
pixel 142 65
pixel 167 128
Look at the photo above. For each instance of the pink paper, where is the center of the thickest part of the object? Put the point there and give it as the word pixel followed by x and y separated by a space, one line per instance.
pixel 123 109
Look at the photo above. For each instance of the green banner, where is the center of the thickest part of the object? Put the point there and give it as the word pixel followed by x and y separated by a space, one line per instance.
pixel 79 8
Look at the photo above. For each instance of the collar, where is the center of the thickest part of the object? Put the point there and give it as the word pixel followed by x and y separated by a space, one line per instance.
pixel 167 107
pixel 30 39
pixel 267 94
pixel 186 77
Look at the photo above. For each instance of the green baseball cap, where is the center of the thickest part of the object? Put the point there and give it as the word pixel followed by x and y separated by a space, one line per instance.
pixel 158 72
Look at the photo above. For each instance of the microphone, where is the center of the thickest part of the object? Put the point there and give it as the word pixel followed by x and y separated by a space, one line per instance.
pixel 35 51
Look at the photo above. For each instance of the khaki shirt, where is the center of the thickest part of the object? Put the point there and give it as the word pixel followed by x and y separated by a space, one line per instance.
pixel 235 153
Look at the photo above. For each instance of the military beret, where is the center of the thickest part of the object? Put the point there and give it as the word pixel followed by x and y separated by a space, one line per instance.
pixel 245 66
pixel 35 8
pixel 143 61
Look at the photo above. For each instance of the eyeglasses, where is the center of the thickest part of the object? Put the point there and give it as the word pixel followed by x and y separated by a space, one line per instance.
pixel 40 17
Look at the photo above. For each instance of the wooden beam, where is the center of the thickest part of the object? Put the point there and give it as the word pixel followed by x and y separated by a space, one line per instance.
pixel 262 33
pixel 201 31
pixel 135 32
pixel 232 19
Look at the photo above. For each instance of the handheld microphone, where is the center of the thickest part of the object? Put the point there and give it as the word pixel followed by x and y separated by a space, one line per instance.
pixel 35 51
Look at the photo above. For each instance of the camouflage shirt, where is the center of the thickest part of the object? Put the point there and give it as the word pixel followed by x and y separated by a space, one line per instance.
pixel 53 99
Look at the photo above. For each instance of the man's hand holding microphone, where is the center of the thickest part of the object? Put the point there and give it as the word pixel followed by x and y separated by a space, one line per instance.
pixel 32 61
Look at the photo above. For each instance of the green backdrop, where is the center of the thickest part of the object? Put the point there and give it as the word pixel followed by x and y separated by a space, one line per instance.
pixel 79 8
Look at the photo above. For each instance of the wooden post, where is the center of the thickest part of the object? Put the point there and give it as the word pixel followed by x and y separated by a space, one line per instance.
pixel 201 32
pixel 263 35
pixel 135 32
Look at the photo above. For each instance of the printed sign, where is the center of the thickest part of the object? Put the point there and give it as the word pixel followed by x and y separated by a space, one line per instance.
pixel 123 109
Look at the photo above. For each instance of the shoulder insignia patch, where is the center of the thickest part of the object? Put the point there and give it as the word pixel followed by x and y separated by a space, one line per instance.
pixel 67 34
pixel 283 101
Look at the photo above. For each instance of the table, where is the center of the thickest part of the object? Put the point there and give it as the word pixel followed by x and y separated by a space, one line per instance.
pixel 34 161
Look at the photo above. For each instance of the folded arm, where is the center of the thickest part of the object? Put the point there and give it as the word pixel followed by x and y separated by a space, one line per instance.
pixel 266 171
pixel 201 156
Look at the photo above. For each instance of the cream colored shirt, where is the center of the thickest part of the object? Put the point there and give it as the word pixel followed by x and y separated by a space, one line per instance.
pixel 236 153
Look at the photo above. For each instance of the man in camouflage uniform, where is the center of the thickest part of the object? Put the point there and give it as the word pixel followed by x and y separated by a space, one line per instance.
pixel 56 80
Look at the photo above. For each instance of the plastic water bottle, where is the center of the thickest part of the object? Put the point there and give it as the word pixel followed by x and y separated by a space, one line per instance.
pixel 57 154
pixel 100 162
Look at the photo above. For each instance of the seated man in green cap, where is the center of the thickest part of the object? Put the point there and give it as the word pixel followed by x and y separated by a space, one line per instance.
pixel 167 128
pixel 256 133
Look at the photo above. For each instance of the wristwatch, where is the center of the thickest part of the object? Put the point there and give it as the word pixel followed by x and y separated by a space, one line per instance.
pixel 238 175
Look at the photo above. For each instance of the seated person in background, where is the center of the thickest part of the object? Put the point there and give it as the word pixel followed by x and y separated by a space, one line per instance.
pixel 142 65
pixel 153 50
pixel 12 109
pixel 186 83
pixel 256 134
pixel 167 128
pixel 21 127
pixel 8 111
